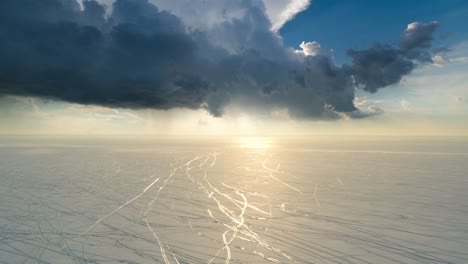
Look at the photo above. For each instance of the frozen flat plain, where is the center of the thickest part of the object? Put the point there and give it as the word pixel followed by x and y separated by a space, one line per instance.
pixel 324 200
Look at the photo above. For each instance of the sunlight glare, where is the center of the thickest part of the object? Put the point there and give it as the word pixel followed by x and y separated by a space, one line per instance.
pixel 255 142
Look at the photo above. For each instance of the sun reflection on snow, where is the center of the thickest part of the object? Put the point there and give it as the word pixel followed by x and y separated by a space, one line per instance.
pixel 255 142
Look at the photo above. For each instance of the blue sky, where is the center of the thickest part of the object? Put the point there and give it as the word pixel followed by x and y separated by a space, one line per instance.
pixel 344 24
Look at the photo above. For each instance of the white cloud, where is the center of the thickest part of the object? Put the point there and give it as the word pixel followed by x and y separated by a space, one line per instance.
pixel 438 61
pixel 459 60
pixel 363 102
pixel 405 104
pixel 208 13
pixel 313 49
pixel 282 11
pixel 212 12
pixel 457 54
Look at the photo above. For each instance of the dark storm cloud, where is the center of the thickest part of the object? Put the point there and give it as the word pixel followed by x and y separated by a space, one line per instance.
pixel 384 65
pixel 141 57
pixel 138 57
pixel 416 39
pixel 418 35
pixel 378 67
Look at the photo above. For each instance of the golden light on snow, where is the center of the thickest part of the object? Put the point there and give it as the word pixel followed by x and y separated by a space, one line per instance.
pixel 255 142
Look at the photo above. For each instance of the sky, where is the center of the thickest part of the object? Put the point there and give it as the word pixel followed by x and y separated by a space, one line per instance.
pixel 234 67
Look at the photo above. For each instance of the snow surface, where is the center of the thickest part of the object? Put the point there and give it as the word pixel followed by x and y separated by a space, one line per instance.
pixel 380 200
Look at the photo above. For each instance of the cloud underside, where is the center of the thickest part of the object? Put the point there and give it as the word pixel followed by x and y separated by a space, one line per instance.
pixel 140 56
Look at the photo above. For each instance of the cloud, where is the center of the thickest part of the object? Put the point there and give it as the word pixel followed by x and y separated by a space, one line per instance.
pixel 438 61
pixel 462 60
pixel 405 104
pixel 362 101
pixel 416 39
pixel 282 11
pixel 418 35
pixel 141 56
pixel 313 49
pixel 212 12
pixel 384 65
pixel 443 56
pixel 360 114
pixel 378 67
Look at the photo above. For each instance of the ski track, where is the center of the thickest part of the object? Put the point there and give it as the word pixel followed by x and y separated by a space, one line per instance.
pixel 238 224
